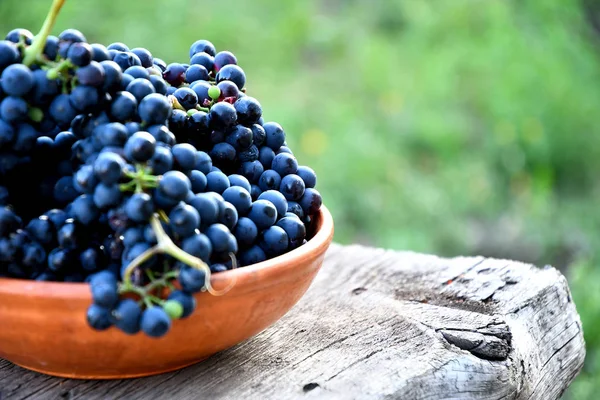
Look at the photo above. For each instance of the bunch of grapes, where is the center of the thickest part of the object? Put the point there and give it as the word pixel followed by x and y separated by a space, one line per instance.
pixel 139 177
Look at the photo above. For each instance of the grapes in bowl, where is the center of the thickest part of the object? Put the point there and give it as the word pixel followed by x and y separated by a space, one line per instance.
pixel 149 215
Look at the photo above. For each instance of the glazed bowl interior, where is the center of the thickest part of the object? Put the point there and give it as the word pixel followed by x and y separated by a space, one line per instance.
pixel 44 326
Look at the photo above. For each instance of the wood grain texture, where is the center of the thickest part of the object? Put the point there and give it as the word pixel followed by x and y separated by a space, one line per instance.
pixel 379 324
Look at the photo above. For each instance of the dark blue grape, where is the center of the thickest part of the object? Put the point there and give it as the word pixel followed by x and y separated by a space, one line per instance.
pixel 140 147
pixel 187 301
pixel 137 71
pixel 99 53
pixel 184 220
pixel 9 54
pixel 124 106
pixel 186 97
pixel 160 86
pixel 204 59
pixel 233 73
pixel 126 60
pixel 139 207
pixel 295 230
pixel 185 156
pixel 217 182
pixel 84 98
pixel 203 162
pixel 113 75
pixel 239 197
pixel 292 187
pixel 108 167
pixel 191 280
pixel 277 199
pixel 198 245
pixel 105 293
pixel 60 261
pixel 201 89
pixel 13 109
pixel 245 232
pixel 141 88
pixel 7 133
pixel 155 322
pixel 44 89
pixel 308 176
pixel 162 161
pixel 99 318
pixel 42 230
pixel 266 156
pixel 275 135
pixel 154 108
pixel 80 54
pixel 295 208
pixel 144 55
pixel 224 58
pixel 263 213
pixel 174 74
pixel 248 110
pixel 311 201
pixel 106 196
pixel 219 236
pixel 118 46
pixel 284 164
pixel 92 259
pixel 207 206
pixel 127 315
pixel 253 255
pixel 274 241
pixel 195 73
pixel 162 134
pixel 85 179
pixel 84 210
pixel 223 153
pixel 174 185
pixel 198 181
pixel 64 190
pixel 34 255
pixel 222 116
pixel 240 138
pixel 228 90
pixel 202 46
pixel 229 215
pixel 16 80
pixel 269 180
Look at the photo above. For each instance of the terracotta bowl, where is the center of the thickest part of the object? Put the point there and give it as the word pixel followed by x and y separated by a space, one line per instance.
pixel 43 325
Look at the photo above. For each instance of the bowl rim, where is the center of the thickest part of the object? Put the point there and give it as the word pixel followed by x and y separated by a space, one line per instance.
pixel 277 266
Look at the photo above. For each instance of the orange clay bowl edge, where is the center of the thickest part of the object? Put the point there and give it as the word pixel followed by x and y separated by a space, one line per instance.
pixel 43 324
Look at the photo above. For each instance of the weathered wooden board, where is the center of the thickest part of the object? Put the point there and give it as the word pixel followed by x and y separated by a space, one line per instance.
pixel 380 324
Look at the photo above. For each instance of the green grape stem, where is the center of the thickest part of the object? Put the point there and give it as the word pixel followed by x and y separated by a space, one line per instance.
pixel 165 245
pixel 37 47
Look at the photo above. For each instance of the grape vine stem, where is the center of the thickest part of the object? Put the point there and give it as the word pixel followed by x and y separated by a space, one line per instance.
pixel 165 245
pixel 37 47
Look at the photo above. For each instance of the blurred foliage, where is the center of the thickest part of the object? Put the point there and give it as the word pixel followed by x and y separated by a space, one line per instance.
pixel 447 126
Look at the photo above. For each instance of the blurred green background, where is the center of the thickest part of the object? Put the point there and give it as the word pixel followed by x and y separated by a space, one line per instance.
pixel 456 127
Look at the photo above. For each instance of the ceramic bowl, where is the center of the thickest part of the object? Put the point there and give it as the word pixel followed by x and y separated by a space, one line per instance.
pixel 43 325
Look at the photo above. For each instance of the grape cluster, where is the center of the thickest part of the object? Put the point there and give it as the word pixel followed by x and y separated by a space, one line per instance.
pixel 139 177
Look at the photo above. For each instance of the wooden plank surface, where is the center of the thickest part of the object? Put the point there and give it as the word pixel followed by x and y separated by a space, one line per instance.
pixel 380 324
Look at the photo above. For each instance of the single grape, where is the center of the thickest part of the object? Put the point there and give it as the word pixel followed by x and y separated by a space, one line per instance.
pixel 308 175
pixel 99 318
pixel 263 213
pixel 127 315
pixel 224 58
pixel 192 280
pixel 140 147
pixel 233 73
pixel 269 180
pixel 155 322
pixel 187 301
pixel 184 220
